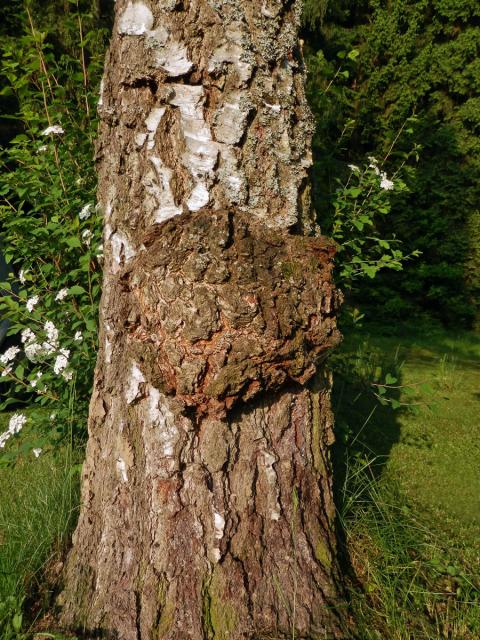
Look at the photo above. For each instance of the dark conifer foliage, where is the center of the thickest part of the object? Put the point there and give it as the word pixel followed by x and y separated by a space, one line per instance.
pixel 415 58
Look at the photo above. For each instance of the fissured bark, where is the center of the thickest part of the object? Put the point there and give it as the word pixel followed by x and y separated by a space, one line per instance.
pixel 207 507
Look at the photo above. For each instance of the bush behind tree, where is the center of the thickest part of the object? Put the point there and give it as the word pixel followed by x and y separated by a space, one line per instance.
pixel 51 231
pixel 414 58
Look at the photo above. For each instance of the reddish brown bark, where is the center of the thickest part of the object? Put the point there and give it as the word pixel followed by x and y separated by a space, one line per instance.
pixel 206 504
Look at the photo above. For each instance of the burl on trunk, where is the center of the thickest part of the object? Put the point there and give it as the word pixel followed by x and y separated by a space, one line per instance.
pixel 207 508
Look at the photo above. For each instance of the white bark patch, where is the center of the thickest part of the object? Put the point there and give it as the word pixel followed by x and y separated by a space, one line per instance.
pixel 231 119
pixel 201 153
pixel 234 53
pixel 157 184
pixel 274 108
pixel 269 461
pixel 133 389
pixel 140 139
pixel 199 197
pixel 122 250
pixel 136 20
pixel 170 55
pixel 153 120
pixel 219 522
pixel 122 469
pixel 100 99
pixel 163 420
pixel 108 350
pixel 108 343
pixel 233 181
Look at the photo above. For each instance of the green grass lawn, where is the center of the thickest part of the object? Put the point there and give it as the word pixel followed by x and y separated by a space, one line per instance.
pixel 38 499
pixel 412 494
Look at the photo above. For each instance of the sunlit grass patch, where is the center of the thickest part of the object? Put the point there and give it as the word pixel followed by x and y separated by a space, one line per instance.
pixel 409 487
pixel 413 582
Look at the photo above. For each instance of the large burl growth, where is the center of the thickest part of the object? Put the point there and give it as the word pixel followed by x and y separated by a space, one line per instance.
pixel 221 309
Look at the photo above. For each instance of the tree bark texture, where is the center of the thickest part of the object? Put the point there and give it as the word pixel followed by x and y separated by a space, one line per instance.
pixel 207 507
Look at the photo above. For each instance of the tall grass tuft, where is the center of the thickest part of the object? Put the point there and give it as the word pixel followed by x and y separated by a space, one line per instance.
pixel 411 583
pixel 38 502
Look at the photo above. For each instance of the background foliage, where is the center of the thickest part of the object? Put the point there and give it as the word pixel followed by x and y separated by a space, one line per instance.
pixel 415 58
pixel 49 224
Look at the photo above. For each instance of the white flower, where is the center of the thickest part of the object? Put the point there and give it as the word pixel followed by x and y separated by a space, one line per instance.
pixel 50 345
pixel 86 212
pixel 42 149
pixel 14 426
pixel 385 183
pixel 61 361
pixel 100 251
pixel 34 350
pixel 36 452
pixel 52 333
pixel 7 371
pixel 86 236
pixel 353 167
pixel 16 422
pixel 372 159
pixel 28 336
pixel 3 438
pixel 67 375
pixel 9 354
pixel 35 381
pixel 53 416
pixel 78 336
pixel 56 129
pixel 21 276
pixel 31 302
pixel 63 293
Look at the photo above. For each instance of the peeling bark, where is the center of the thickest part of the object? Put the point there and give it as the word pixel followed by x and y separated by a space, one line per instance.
pixel 206 504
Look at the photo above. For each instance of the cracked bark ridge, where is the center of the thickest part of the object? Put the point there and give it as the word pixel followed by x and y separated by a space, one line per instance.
pixel 207 509
pixel 221 308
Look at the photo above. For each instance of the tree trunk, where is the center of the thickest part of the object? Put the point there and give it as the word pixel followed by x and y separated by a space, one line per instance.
pixel 206 505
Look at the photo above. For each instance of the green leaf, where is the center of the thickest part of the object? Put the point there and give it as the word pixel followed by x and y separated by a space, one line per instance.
pixel 73 242
pixel 389 379
pixel 91 325
pixel 19 371
pixel 370 270
pixel 17 622
pixel 76 290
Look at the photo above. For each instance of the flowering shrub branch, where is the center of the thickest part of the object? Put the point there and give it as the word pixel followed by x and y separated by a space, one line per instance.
pixel 358 203
pixel 51 229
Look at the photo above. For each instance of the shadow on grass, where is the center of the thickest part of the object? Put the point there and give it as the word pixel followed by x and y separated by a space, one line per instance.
pixel 406 575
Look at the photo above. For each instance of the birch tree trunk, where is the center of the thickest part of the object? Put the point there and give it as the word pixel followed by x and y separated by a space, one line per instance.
pixel 207 507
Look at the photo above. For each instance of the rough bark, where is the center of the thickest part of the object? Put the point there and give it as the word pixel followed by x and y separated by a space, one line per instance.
pixel 206 504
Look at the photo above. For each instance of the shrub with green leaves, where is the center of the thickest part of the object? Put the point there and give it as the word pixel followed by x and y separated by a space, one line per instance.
pixel 354 199
pixel 50 225
pixel 415 57
pixel 357 205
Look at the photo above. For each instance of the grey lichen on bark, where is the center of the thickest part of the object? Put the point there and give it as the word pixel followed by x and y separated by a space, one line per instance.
pixel 206 493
